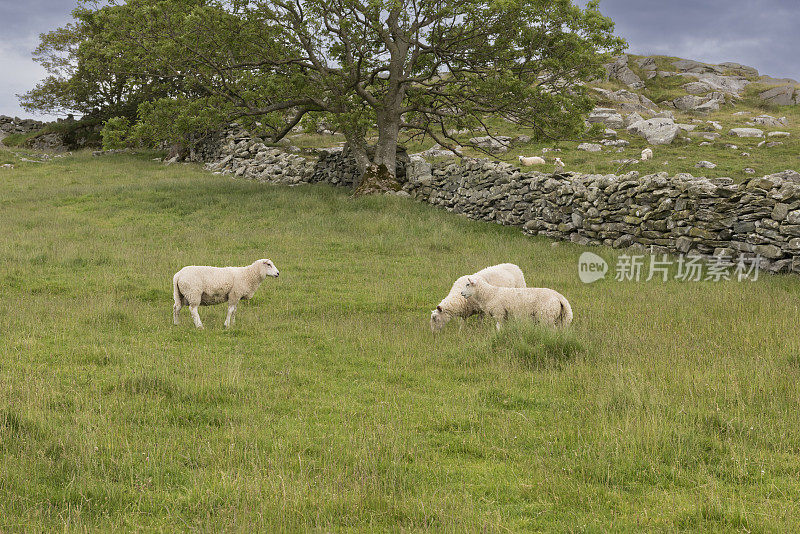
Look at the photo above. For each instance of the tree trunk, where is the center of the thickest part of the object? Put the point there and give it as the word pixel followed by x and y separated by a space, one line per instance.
pixel 380 174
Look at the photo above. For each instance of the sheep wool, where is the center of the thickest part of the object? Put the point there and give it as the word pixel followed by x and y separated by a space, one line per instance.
pixel 539 304
pixel 197 285
pixel 647 154
pixel 455 305
pixel 532 160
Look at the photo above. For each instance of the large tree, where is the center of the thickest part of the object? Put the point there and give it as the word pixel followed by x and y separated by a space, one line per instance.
pixel 87 75
pixel 425 67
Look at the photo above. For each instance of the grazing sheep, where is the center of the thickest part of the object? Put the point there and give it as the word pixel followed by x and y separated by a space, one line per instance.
pixel 196 285
pixel 559 165
pixel 533 160
pixel 455 305
pixel 540 304
pixel 647 153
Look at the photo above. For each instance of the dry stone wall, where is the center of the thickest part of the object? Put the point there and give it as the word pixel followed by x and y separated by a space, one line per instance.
pixel 676 214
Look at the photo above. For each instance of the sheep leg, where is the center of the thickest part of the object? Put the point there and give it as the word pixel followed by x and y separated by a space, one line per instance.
pixel 229 320
pixel 176 310
pixel 196 316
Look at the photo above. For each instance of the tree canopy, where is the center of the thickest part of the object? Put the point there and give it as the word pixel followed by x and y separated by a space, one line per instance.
pixel 368 66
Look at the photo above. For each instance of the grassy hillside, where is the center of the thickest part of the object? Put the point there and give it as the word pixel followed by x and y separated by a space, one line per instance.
pixel 330 406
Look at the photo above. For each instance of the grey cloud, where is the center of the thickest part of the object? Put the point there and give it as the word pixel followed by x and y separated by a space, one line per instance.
pixel 762 34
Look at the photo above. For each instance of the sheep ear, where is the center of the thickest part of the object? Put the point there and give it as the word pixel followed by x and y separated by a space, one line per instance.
pixel 438 308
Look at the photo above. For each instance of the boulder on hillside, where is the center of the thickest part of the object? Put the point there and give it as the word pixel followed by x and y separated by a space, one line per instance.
pixel 746 132
pixel 633 117
pixel 723 84
pixel 781 96
pixel 697 88
pixel 608 116
pixel 657 131
pixel 688 65
pixel 590 147
pixel 744 70
pixel 646 63
pixel 494 144
pixel 700 104
pixel 619 70
pixel 769 120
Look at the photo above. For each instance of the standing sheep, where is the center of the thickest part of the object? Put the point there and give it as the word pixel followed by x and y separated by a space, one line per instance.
pixel 455 305
pixel 196 285
pixel 647 154
pixel 540 304
pixel 559 165
pixel 532 160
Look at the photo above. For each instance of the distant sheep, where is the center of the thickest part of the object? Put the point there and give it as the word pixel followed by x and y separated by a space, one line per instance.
pixel 647 154
pixel 559 165
pixel 455 305
pixel 539 304
pixel 196 285
pixel 532 160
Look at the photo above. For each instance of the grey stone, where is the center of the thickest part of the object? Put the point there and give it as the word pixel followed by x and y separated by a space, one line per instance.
pixel 746 132
pixel 494 144
pixel 697 88
pixel 590 147
pixel 657 131
pixel 781 96
pixel 705 165
pixel 608 116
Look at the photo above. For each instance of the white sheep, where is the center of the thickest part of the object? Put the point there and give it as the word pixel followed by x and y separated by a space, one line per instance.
pixel 647 153
pixel 197 285
pixel 540 304
pixel 532 160
pixel 455 305
pixel 559 165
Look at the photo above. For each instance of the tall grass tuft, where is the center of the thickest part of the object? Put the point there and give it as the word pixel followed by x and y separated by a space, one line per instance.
pixel 537 346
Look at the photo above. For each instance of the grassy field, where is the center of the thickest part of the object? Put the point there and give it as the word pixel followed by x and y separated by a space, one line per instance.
pixel 330 406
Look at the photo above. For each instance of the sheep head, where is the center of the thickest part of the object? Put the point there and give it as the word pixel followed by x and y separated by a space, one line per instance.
pixel 267 268
pixel 469 289
pixel 439 318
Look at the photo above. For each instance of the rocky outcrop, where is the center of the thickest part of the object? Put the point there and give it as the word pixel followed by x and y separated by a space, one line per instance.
pixel 781 96
pixel 657 131
pixel 15 125
pixel 700 104
pixel 620 71
pixel 608 116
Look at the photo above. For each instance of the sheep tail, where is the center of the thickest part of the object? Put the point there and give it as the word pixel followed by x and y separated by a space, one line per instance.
pixel 176 292
pixel 565 317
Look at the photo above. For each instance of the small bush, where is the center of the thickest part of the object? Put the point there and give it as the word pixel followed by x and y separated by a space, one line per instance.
pixel 116 133
pixel 537 346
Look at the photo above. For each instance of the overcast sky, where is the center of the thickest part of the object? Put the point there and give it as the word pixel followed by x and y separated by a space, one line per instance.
pixel 760 33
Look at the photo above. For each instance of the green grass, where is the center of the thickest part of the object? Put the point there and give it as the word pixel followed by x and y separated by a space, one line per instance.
pixel 330 406
pixel 18 140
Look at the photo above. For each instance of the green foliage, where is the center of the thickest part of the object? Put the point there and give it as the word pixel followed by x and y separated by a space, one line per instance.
pixel 18 140
pixel 426 68
pixel 116 133
pixel 90 72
